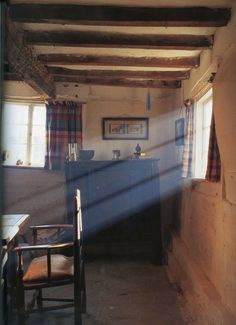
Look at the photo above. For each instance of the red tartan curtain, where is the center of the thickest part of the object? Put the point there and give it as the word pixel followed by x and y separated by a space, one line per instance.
pixel 214 165
pixel 63 126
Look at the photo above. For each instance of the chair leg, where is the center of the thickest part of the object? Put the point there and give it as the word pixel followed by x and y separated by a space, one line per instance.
pixel 20 301
pixel 84 305
pixel 77 310
pixel 77 317
pixel 39 299
pixel 20 298
pixel 77 304
pixel 83 291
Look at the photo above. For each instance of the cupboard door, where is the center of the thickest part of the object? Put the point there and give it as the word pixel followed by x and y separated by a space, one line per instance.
pixel 119 199
pixel 110 198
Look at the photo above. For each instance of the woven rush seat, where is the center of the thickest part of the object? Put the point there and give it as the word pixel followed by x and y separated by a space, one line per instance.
pixel 61 267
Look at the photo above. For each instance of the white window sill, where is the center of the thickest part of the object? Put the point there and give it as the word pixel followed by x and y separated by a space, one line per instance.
pixel 22 166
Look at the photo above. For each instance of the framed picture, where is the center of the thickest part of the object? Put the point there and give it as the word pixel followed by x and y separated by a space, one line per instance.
pixel 125 128
pixel 179 132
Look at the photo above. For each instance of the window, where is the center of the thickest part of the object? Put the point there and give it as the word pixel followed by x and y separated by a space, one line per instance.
pixel 23 134
pixel 202 133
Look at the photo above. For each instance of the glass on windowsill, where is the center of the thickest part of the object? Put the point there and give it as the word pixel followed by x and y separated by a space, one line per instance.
pixel 72 151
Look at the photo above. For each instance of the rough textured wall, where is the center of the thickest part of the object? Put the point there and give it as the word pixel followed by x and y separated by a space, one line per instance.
pixel 121 102
pixel 131 102
pixel 201 225
pixel 210 217
pixel 34 191
pixel 100 102
pixel 225 112
pixel 208 213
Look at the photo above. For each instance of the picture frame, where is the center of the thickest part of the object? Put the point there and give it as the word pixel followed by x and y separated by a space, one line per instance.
pixel 179 132
pixel 125 128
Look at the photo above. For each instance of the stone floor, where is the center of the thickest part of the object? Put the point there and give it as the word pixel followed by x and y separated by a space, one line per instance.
pixel 121 292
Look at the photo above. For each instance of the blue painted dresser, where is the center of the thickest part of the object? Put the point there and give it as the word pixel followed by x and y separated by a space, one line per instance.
pixel 120 200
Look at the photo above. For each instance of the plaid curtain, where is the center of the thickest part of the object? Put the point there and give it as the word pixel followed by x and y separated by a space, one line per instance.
pixel 213 164
pixel 188 142
pixel 63 126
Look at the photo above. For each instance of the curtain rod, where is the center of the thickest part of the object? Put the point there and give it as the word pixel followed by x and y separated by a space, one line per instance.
pixel 37 100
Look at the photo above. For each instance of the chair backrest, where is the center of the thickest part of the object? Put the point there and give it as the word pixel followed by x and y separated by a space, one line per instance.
pixel 78 228
pixel 79 277
pixel 52 270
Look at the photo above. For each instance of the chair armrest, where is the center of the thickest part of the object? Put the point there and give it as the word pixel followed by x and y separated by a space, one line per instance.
pixel 57 229
pixel 55 226
pixel 41 247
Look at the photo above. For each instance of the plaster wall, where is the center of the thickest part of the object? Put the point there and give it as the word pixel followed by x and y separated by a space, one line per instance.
pixel 98 102
pixel 17 90
pixel 34 191
pixel 208 211
pixel 131 102
pixel 161 131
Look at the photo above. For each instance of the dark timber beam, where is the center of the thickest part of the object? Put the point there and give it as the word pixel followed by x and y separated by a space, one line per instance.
pixel 120 82
pixel 9 76
pixel 117 40
pixel 116 74
pixel 96 60
pixel 25 64
pixel 119 16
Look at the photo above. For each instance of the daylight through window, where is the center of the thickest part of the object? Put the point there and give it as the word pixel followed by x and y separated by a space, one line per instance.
pixel 202 132
pixel 23 134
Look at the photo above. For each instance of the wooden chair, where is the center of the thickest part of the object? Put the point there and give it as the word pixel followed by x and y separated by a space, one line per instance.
pixel 53 269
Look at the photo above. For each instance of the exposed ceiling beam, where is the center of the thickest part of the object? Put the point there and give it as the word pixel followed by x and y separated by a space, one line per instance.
pixel 25 64
pixel 134 78
pixel 107 81
pixel 119 82
pixel 108 60
pixel 117 40
pixel 10 76
pixel 116 74
pixel 119 16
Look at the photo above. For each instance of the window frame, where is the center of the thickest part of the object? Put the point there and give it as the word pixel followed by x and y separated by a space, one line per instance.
pixel 31 107
pixel 198 171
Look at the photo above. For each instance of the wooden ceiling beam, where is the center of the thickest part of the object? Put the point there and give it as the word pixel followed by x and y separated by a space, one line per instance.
pixel 25 64
pixel 123 82
pixel 116 74
pixel 108 60
pixel 10 76
pixel 117 40
pixel 119 16
pixel 100 80
pixel 107 81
